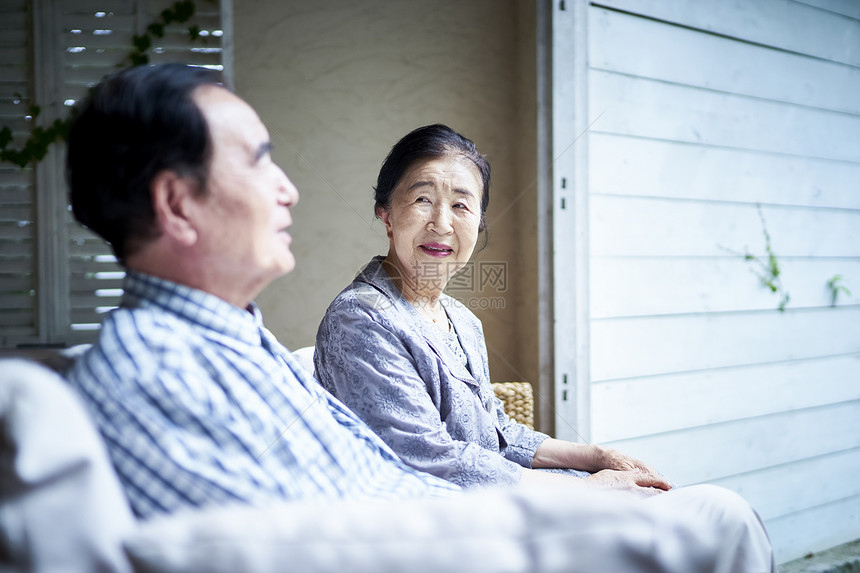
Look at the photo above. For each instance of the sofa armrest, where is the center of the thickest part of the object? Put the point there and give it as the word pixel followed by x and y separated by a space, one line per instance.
pixel 62 507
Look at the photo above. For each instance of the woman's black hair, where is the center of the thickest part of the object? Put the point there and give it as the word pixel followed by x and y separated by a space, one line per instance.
pixel 428 142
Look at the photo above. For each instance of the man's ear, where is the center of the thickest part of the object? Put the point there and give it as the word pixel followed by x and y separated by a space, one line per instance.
pixel 174 201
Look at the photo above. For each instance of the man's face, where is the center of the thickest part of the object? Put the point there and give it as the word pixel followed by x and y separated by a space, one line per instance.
pixel 245 214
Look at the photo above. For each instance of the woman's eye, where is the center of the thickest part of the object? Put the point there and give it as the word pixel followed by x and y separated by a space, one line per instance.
pixel 422 200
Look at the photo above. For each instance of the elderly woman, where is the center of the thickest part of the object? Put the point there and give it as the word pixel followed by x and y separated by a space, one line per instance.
pixel 412 361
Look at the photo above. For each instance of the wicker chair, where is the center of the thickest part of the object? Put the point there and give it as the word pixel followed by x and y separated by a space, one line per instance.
pixel 518 399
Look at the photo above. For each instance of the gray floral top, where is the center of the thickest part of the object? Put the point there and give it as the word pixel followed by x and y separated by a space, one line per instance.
pixel 395 370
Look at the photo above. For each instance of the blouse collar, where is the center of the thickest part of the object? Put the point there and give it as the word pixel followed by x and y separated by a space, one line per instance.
pixel 376 276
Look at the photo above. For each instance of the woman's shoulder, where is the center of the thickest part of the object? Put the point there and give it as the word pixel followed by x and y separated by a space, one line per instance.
pixel 370 292
pixel 361 297
pixel 362 320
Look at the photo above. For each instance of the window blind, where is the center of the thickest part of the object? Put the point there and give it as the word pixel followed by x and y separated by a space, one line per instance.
pixel 57 279
pixel 17 220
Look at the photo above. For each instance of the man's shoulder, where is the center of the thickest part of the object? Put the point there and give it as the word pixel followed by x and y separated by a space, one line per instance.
pixel 135 340
pixel 152 324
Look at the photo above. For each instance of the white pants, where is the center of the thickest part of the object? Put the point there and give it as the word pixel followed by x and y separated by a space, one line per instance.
pixel 688 530
pixel 738 538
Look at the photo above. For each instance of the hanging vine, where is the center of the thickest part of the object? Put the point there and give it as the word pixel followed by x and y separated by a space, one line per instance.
pixel 179 13
pixel 36 146
pixel 769 272
pixel 767 269
pixel 835 288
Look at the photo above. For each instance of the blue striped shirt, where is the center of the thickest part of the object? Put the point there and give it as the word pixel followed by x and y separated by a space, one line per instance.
pixel 199 404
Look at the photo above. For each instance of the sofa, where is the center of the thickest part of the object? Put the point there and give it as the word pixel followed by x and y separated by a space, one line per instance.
pixel 62 508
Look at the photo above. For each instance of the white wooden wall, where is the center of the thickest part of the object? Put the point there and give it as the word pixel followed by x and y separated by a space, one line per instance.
pixel 699 113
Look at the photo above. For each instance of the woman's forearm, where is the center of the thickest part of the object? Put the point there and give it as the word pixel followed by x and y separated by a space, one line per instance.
pixel 534 478
pixel 554 453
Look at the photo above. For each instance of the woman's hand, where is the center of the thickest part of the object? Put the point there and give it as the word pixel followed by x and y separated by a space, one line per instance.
pixel 635 481
pixel 609 467
pixel 609 459
pixel 639 472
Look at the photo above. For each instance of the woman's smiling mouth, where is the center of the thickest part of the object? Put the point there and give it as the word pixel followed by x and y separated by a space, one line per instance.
pixel 436 249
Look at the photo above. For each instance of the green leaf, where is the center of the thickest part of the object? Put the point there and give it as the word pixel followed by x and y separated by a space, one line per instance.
pixel 5 137
pixel 183 11
pixel 156 29
pixel 773 264
pixel 142 42
pixel 167 16
pixel 14 157
pixel 139 59
pixel 836 288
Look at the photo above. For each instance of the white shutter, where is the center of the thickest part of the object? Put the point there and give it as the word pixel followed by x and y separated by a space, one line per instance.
pixel 74 43
pixel 17 218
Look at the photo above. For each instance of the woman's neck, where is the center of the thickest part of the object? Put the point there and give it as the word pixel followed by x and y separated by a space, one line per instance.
pixel 423 295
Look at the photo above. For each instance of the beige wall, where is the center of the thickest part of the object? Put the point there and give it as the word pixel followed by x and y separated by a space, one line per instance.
pixel 338 82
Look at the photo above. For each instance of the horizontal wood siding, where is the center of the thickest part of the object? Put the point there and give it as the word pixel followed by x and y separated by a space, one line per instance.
pixel 720 129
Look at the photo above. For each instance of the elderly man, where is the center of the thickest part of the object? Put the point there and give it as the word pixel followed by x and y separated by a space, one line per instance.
pixel 201 406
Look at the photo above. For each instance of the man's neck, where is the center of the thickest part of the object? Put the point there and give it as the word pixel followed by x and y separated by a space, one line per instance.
pixel 189 272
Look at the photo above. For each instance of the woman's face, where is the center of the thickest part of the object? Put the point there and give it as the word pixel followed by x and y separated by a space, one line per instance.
pixel 433 221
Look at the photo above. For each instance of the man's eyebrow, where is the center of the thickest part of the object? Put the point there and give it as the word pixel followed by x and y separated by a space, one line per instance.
pixel 262 150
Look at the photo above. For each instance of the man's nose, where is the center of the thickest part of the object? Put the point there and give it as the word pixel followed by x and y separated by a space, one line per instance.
pixel 288 194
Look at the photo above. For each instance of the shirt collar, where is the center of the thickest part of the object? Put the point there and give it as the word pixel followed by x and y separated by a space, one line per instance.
pixel 198 307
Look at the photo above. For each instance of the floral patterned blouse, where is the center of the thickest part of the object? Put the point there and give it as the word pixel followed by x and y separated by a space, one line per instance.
pixel 397 372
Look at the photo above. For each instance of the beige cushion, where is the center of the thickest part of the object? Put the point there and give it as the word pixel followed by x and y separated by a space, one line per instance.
pixel 62 507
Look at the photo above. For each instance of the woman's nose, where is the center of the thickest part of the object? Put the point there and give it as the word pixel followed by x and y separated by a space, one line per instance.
pixel 441 219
